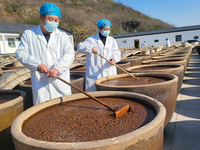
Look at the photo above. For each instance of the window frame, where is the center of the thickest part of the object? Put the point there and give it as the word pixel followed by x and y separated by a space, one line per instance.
pixel 178 38
pixel 11 41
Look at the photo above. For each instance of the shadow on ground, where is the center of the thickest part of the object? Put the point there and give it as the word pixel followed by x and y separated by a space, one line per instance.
pixel 191 91
pixel 185 131
pixel 192 81
pixel 189 108
pixel 192 74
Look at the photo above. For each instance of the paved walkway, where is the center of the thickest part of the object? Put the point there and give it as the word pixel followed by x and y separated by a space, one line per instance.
pixel 183 131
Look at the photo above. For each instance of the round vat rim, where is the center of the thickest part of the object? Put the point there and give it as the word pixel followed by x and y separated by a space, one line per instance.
pixel 132 57
pixel 123 62
pixel 82 76
pixel 171 76
pixel 12 102
pixel 176 66
pixel 160 60
pixel 25 85
pixel 154 124
pixel 170 56
pixel 184 55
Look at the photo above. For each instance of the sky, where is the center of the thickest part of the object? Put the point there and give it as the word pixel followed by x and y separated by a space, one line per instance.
pixel 174 12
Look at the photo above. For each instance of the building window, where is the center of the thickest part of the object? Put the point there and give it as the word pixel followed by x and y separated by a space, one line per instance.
pixel 11 42
pixel 178 38
pixel 124 41
pixel 196 37
pixel 156 40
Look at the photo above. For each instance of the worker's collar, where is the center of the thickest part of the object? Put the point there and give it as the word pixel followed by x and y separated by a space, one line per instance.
pixel 101 36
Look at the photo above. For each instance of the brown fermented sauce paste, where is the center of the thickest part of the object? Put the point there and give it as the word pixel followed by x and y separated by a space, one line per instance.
pixel 28 82
pixel 86 120
pixel 130 81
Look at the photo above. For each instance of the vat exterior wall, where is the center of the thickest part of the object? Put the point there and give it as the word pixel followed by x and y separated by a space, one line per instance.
pixel 134 61
pixel 8 114
pixel 123 66
pixel 148 138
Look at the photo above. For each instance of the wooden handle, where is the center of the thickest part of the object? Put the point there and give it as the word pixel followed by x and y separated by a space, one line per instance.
pixel 86 94
pixel 120 68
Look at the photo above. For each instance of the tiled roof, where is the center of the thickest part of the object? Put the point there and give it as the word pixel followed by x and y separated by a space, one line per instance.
pixel 18 28
pixel 170 30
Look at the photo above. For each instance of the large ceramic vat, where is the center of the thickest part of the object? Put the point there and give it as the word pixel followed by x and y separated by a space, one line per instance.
pixel 26 87
pixel 148 137
pixel 123 64
pixel 170 56
pixel 77 79
pixel 17 64
pixel 134 60
pixel 145 57
pixel 177 70
pixel 168 61
pixel 180 51
pixel 165 92
pixel 145 52
pixel 174 57
pixel 198 49
pixel 79 68
pixel 11 105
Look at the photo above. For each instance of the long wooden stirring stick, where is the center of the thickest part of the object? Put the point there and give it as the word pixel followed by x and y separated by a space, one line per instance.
pixel 117 113
pixel 86 94
pixel 119 67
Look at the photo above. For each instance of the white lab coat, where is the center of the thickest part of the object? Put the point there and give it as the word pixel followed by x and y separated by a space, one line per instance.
pixel 168 43
pixel 97 67
pixel 143 44
pixel 57 53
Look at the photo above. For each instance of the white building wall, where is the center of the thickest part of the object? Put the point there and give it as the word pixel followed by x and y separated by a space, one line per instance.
pixel 150 39
pixel 1 45
pixel 10 49
pixel 6 49
pixel 71 39
pixel 4 44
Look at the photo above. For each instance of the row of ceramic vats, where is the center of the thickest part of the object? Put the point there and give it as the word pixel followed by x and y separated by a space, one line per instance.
pixel 160 96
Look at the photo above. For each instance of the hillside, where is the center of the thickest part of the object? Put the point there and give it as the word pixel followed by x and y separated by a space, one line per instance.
pixel 80 16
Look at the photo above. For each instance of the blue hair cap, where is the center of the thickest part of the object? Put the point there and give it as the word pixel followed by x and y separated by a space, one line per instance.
pixel 103 23
pixel 50 9
pixel 166 38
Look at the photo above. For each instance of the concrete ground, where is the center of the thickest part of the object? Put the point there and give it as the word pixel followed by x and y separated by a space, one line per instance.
pixel 183 131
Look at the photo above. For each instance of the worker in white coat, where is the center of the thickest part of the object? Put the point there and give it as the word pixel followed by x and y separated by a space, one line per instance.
pixel 101 43
pixel 143 44
pixel 47 52
pixel 167 42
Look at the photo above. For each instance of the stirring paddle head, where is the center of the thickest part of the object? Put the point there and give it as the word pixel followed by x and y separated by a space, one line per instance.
pixel 121 111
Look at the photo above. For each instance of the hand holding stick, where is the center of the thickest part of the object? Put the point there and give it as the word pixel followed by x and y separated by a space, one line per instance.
pixel 119 67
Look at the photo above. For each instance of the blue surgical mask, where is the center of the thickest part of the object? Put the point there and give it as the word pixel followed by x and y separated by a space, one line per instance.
pixel 105 33
pixel 50 26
